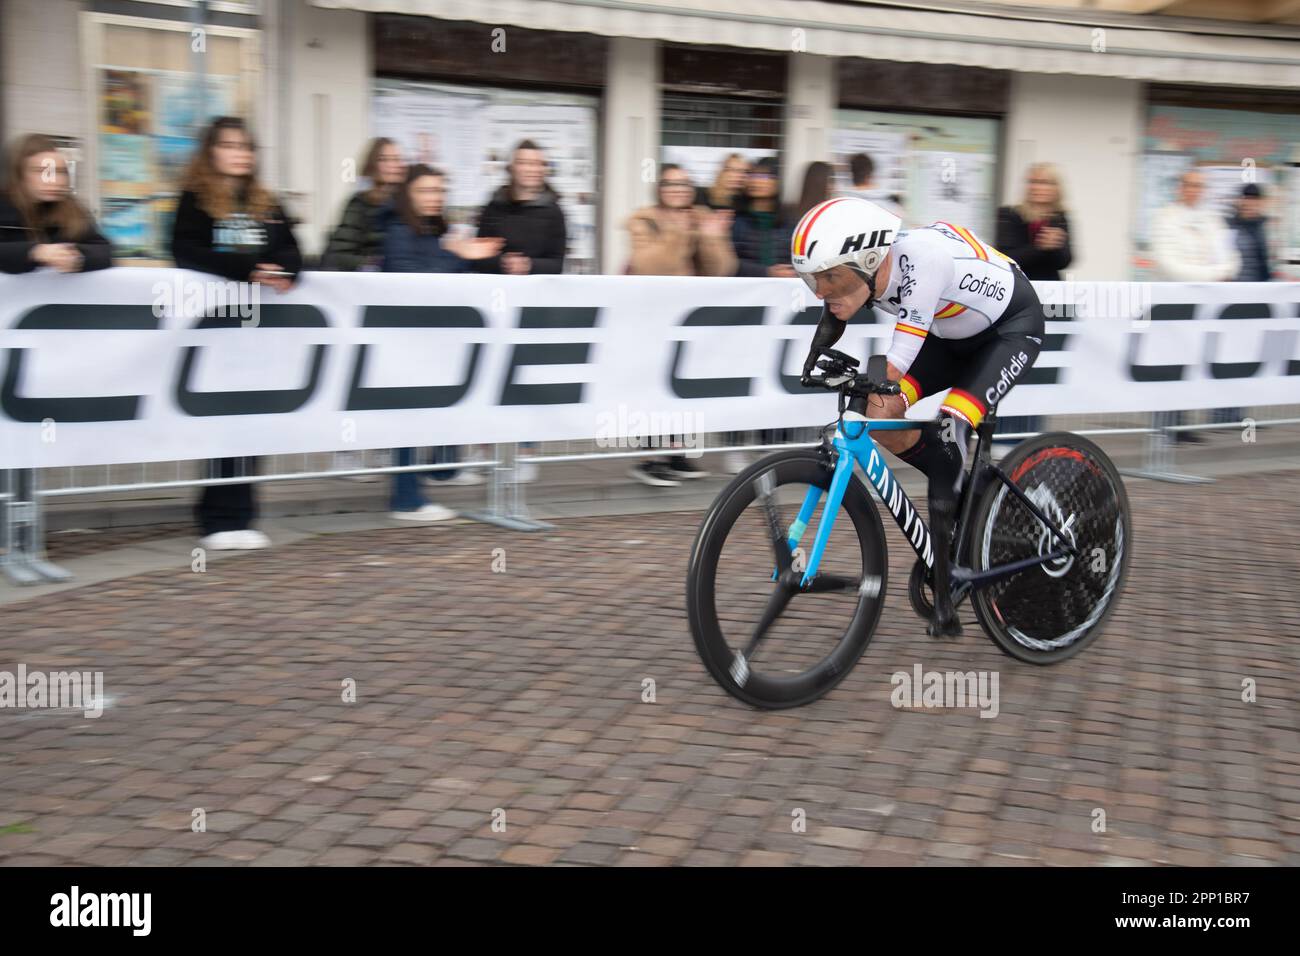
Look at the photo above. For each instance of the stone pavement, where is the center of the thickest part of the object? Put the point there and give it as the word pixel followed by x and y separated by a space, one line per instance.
pixel 518 696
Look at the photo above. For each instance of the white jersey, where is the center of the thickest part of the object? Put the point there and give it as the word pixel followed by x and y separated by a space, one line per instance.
pixel 943 280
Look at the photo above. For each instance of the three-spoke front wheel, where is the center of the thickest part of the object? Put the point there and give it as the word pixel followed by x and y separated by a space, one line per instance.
pixel 767 640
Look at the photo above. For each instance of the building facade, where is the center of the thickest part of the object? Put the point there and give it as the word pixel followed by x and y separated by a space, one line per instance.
pixel 952 100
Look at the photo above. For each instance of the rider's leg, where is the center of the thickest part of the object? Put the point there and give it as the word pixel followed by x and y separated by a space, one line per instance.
pixel 938 450
pixel 944 449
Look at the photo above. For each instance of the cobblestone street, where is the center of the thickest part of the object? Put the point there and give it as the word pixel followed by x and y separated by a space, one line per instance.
pixel 516 695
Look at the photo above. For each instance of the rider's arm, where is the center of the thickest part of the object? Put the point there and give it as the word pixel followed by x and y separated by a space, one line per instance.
pixel 923 273
pixel 828 332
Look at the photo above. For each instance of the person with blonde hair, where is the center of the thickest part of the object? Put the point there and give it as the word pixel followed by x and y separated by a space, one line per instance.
pixel 41 222
pixel 1036 233
pixel 727 185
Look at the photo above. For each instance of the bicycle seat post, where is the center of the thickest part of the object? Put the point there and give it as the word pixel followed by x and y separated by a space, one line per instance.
pixel 984 433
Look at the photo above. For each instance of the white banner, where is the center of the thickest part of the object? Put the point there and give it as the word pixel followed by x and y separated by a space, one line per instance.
pixel 117 367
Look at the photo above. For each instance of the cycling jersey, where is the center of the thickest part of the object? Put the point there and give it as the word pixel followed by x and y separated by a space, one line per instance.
pixel 968 319
pixel 946 282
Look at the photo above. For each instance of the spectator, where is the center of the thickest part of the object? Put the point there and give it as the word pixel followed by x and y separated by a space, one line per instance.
pixel 817 182
pixel 761 236
pixel 728 185
pixel 862 170
pixel 674 238
pixel 1248 229
pixel 526 213
pixel 357 243
pixel 1037 235
pixel 41 222
pixel 416 240
pixel 1191 244
pixel 229 224
pixel 761 231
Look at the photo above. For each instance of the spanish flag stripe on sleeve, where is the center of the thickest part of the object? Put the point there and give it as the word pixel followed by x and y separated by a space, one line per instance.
pixel 949 310
pixel 903 327
pixel 911 389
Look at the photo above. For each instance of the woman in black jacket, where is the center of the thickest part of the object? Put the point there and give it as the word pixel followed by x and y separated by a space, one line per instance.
pixel 41 222
pixel 761 230
pixel 1037 235
pixel 526 213
pixel 228 224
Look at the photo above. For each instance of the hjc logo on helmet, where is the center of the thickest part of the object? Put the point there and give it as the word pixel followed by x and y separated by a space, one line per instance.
pixel 855 243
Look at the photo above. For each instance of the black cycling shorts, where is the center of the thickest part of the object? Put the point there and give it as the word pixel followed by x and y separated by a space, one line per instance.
pixel 980 370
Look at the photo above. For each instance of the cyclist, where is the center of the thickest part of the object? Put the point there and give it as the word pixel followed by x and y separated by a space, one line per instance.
pixel 967 320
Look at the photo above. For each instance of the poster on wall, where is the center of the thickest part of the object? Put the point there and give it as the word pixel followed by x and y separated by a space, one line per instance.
pixel 887 149
pixel 149 127
pixel 124 105
pixel 124 157
pixel 127 224
pixel 956 187
pixel 469 133
pixel 939 167
pixel 181 115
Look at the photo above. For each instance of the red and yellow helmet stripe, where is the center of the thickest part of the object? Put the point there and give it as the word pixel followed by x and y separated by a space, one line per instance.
pixel 799 243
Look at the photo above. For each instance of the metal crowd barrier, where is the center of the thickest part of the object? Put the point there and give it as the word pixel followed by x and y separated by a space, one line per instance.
pixel 22 498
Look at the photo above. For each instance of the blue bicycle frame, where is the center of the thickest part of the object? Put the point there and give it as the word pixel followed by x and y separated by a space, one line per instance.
pixel 853 443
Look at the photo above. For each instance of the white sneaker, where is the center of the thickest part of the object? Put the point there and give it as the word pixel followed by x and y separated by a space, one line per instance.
pixel 526 472
pixel 252 540
pixel 424 513
pixel 465 476
pixel 734 462
pixel 223 541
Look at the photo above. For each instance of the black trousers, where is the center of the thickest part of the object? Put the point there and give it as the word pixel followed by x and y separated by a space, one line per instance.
pixel 227 507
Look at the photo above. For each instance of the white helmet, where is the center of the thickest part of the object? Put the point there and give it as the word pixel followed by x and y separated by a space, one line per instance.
pixel 848 231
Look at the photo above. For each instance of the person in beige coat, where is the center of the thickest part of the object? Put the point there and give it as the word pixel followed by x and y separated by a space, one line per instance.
pixel 675 237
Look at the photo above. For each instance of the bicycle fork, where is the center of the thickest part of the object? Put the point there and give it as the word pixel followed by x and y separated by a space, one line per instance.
pixel 792 536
